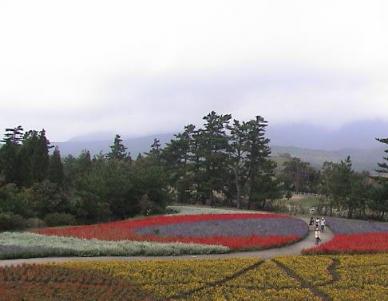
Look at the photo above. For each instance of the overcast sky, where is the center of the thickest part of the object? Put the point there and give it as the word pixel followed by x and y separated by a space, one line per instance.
pixel 142 67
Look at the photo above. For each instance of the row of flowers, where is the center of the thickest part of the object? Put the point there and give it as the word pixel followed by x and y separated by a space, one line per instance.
pixel 236 231
pixel 29 245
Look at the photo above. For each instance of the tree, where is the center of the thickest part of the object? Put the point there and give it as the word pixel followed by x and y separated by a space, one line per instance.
pixel 380 201
pixel 55 171
pixel 40 158
pixel 212 151
pixel 155 150
pixel 261 181
pixel 176 158
pixel 299 176
pixel 238 140
pixel 9 155
pixel 337 184
pixel 118 150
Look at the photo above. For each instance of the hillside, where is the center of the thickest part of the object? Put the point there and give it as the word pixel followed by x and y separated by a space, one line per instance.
pixel 363 159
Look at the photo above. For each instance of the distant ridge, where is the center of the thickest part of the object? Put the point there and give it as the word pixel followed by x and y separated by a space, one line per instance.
pixel 363 159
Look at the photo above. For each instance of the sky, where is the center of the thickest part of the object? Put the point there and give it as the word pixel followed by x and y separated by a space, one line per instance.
pixel 143 67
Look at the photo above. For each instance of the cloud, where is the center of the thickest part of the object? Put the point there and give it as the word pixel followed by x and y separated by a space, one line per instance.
pixel 140 67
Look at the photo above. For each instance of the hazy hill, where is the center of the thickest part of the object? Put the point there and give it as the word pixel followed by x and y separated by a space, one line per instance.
pixel 363 159
pixel 311 143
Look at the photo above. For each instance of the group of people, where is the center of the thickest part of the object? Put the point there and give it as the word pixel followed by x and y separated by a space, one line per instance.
pixel 319 224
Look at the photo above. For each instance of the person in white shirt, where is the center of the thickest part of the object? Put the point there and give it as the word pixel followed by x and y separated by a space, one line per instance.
pixel 317 221
pixel 317 235
pixel 323 222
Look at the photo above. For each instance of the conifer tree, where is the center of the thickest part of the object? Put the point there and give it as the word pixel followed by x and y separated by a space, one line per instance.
pixel 155 150
pixel 261 184
pixel 40 158
pixel 55 171
pixel 212 148
pixel 237 155
pixel 380 200
pixel 118 150
pixel 9 155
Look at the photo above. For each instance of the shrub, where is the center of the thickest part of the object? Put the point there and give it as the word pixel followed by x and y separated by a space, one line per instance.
pixel 59 219
pixel 35 222
pixel 10 221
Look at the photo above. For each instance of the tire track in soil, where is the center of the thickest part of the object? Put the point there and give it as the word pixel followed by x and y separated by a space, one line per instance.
pixel 305 284
pixel 218 282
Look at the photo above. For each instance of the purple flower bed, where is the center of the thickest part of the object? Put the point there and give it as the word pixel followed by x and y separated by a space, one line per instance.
pixel 240 227
pixel 348 226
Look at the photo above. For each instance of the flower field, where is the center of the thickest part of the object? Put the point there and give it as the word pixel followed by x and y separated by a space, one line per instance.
pixel 354 236
pixel 238 231
pixel 334 277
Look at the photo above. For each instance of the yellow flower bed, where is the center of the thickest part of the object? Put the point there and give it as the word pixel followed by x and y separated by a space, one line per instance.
pixel 353 278
pixel 165 278
pixel 361 277
pixel 222 293
pixel 266 276
pixel 313 269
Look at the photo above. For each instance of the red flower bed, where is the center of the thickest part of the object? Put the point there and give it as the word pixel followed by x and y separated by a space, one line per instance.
pixel 126 230
pixel 353 243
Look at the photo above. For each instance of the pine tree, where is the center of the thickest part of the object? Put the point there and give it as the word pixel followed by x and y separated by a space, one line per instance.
pixel 55 171
pixel 176 160
pixel 30 143
pixel 9 155
pixel 380 201
pixel 155 149
pixel 261 183
pixel 212 148
pixel 118 150
pixel 237 155
pixel 40 158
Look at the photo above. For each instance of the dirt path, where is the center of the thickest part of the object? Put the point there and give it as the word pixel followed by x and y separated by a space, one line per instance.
pixel 294 249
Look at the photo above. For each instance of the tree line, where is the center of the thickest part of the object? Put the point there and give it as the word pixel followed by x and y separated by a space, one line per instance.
pixel 224 162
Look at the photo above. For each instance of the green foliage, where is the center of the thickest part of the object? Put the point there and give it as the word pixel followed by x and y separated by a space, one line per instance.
pixel 59 219
pixel 299 176
pixel 118 150
pixel 380 193
pixel 35 222
pixel 55 170
pixel 11 221
pixel 222 163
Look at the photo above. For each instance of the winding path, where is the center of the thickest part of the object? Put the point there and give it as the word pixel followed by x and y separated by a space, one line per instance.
pixel 294 249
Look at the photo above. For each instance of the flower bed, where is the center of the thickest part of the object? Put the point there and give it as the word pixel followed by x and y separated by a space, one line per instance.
pixel 347 278
pixel 42 282
pixel 235 231
pixel 354 236
pixel 30 245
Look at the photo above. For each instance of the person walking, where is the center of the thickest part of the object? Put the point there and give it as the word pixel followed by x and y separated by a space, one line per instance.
pixel 317 236
pixel 323 223
pixel 311 223
pixel 317 220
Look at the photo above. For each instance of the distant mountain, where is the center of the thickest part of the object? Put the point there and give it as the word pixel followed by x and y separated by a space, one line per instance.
pixel 359 135
pixel 313 144
pixel 135 145
pixel 363 159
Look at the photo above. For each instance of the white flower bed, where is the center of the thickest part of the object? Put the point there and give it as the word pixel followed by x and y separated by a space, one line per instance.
pixel 27 245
